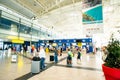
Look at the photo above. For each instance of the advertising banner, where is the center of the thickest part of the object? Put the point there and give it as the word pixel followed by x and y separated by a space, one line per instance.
pixel 92 17
pixel 92 11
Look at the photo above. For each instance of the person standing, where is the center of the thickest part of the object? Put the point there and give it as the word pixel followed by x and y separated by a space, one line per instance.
pixel 55 55
pixel 9 51
pixel 61 50
pixel 69 58
pixel 105 51
pixel 42 58
pixel 79 55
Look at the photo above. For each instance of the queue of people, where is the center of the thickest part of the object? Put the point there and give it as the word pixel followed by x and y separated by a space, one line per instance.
pixel 42 55
pixel 71 53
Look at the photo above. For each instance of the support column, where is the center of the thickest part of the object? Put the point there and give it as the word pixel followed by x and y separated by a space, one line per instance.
pixel 31 34
pixel 18 30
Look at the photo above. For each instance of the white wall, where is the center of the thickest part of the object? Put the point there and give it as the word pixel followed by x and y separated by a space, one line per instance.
pixel 111 21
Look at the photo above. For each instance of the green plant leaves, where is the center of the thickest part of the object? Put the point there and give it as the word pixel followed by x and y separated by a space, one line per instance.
pixel 113 58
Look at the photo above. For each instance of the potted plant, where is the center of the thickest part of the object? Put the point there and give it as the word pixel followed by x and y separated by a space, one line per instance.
pixel 111 67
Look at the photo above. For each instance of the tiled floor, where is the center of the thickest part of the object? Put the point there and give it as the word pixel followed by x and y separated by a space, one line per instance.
pixel 88 69
pixel 11 71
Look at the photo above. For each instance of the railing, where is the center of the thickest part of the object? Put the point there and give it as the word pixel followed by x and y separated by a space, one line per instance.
pixel 26 27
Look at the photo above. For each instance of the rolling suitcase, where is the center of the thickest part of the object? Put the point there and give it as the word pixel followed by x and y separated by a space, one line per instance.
pixel 51 58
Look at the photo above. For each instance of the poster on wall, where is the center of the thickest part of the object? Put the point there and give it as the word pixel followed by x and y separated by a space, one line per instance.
pixel 92 11
pixel 91 29
pixel 92 17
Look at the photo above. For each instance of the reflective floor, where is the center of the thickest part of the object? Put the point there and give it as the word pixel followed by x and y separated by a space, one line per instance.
pixel 88 69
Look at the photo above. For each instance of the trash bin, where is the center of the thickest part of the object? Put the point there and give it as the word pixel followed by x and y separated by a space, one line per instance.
pixel 35 66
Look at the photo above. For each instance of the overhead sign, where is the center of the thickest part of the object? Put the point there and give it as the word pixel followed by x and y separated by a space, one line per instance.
pixel 17 41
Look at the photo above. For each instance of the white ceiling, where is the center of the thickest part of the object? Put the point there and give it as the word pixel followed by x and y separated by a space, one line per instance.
pixel 14 6
pixel 63 16
pixel 66 20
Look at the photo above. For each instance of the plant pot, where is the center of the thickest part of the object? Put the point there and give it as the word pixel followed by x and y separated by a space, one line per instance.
pixel 111 73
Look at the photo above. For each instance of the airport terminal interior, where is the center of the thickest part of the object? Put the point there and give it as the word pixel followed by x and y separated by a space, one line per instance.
pixel 56 39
